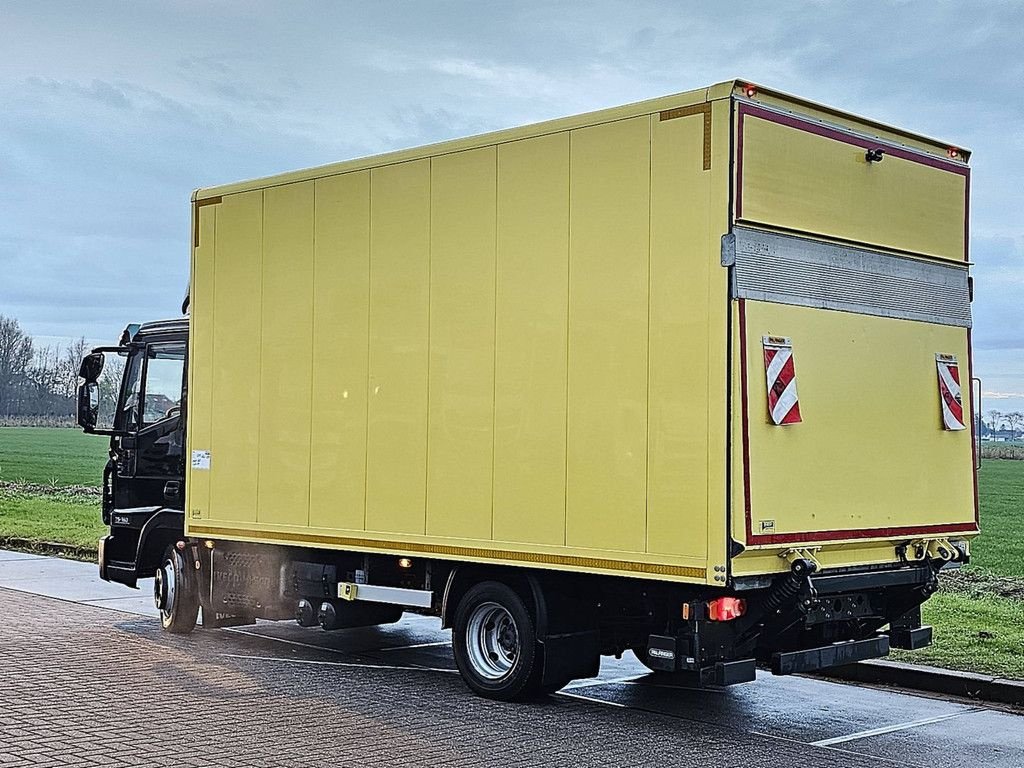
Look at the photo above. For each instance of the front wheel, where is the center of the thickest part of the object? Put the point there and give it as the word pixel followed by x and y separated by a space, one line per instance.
pixel 176 594
pixel 495 643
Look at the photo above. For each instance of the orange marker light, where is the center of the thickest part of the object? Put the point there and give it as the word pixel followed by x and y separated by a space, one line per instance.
pixel 726 608
pixel 750 90
pixel 953 153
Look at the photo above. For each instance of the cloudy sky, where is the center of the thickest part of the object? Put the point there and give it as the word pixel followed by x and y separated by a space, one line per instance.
pixel 111 113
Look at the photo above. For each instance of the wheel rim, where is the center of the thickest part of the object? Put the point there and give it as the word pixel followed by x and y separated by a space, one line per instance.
pixel 492 640
pixel 164 588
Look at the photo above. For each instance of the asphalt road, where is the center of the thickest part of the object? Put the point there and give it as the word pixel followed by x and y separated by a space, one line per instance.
pixel 85 683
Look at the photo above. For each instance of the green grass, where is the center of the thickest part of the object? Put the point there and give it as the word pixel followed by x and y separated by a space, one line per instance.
pixel 1000 548
pixel 984 635
pixel 51 456
pixel 54 518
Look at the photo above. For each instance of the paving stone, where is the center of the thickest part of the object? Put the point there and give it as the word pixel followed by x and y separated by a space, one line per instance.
pixel 80 685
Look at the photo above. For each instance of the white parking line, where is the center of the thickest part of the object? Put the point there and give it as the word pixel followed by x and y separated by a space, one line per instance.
pixel 337 663
pixel 416 645
pixel 892 728
pixel 840 750
pixel 591 683
pixel 568 695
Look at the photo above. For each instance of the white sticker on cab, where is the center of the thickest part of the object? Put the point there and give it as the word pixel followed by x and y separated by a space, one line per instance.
pixel 200 459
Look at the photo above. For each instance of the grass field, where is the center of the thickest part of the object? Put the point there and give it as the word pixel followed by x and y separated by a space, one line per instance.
pixel 1000 548
pixel 51 456
pixel 972 632
pixel 51 518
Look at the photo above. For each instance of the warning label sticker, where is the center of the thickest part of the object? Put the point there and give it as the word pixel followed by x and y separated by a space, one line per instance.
pixel 200 459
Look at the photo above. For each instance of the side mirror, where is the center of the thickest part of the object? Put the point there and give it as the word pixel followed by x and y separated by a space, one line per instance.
pixel 90 369
pixel 89 399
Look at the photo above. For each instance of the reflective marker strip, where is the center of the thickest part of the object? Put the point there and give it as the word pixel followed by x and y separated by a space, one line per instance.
pixel 780 374
pixel 949 392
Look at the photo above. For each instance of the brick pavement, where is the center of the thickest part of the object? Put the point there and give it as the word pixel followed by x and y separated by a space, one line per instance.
pixel 85 686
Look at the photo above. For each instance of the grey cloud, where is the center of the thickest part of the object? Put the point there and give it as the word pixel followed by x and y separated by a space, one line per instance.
pixel 998 289
pixel 100 91
pixel 106 128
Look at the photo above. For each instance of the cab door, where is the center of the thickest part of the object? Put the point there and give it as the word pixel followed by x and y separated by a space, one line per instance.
pixel 152 454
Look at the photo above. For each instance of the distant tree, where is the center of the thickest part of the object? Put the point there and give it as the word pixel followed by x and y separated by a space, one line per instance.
pixel 68 366
pixel 1016 423
pixel 109 390
pixel 16 354
pixel 996 418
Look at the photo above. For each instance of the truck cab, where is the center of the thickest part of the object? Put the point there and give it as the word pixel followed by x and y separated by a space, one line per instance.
pixel 135 393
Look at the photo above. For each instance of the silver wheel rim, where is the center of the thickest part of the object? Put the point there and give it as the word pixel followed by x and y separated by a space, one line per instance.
pixel 164 588
pixel 492 640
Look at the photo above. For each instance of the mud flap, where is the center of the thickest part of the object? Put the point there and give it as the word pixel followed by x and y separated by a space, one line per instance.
pixel 570 656
pixel 673 654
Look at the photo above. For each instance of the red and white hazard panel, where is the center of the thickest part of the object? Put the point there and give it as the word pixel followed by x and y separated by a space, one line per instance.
pixel 783 404
pixel 949 392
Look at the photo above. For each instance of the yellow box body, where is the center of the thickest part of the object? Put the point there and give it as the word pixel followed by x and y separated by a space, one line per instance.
pixel 520 348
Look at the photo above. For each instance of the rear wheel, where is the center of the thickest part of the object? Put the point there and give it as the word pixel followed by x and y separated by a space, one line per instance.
pixel 494 638
pixel 176 594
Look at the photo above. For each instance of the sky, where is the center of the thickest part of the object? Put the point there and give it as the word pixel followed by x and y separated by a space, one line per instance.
pixel 111 113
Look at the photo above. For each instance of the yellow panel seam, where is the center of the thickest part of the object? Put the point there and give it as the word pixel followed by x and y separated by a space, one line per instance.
pixel 259 362
pixel 369 310
pixel 647 436
pixel 312 353
pixel 568 331
pixel 213 324
pixel 494 341
pixel 430 249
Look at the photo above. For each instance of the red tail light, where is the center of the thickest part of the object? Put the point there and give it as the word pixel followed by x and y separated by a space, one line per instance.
pixel 726 608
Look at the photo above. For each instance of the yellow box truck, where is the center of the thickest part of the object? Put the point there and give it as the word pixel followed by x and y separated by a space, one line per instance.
pixel 688 377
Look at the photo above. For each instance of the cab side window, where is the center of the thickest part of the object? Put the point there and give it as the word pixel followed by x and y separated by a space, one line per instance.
pixel 165 366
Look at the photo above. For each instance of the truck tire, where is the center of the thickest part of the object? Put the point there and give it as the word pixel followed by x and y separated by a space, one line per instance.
pixel 176 594
pixel 494 638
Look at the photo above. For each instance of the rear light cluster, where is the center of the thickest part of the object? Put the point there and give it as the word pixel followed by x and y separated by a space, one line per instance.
pixel 726 608
pixel 721 609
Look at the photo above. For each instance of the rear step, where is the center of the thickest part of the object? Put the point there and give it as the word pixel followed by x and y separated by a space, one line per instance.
pixel 813 659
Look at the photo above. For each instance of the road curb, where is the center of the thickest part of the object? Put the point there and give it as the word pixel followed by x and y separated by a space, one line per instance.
pixel 51 548
pixel 933 680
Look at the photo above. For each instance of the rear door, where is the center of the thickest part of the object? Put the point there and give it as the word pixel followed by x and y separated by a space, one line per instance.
pixel 851 354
